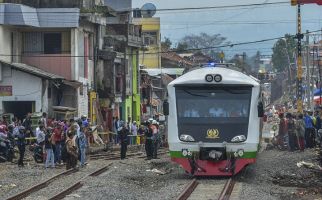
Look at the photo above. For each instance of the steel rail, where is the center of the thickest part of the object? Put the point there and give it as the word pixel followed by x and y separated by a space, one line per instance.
pixel 228 189
pixel 79 184
pixel 40 186
pixel 185 194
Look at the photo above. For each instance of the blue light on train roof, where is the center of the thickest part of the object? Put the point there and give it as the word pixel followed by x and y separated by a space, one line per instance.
pixel 211 64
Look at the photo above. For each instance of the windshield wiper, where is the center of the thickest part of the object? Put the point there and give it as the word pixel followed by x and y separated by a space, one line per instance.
pixel 192 94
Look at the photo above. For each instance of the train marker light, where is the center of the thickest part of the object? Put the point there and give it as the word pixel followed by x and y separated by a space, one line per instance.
pixel 209 78
pixel 187 138
pixel 239 138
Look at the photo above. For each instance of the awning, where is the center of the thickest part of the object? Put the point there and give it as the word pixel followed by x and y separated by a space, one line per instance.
pixel 74 84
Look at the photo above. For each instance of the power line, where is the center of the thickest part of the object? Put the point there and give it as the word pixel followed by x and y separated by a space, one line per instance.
pixel 171 9
pixel 187 50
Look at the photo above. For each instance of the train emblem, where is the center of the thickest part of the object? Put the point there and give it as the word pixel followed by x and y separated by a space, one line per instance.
pixel 212 134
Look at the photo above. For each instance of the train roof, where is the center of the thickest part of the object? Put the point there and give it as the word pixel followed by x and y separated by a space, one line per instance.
pixel 229 76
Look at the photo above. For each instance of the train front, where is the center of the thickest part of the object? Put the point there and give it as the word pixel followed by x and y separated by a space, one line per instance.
pixel 213 123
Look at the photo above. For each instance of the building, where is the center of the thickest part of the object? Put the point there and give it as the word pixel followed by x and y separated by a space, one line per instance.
pixel 58 37
pixel 150 56
pixel 118 76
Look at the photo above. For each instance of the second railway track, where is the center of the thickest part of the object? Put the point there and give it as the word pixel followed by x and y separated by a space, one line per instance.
pixel 211 190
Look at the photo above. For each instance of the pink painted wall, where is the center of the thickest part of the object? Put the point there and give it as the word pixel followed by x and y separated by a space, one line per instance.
pixel 59 64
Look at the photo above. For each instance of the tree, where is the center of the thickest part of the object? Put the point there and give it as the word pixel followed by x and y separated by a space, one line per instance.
pixel 166 44
pixel 181 47
pixel 283 53
pixel 203 41
pixel 240 62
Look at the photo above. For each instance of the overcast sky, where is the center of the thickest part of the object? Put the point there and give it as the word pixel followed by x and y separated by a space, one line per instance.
pixel 280 19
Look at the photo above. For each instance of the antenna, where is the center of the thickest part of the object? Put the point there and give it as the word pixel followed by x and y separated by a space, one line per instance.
pixel 148 10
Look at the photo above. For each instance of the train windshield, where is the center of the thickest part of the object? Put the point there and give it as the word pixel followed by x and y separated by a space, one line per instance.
pixel 224 108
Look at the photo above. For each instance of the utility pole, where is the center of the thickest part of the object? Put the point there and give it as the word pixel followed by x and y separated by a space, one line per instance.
pixel 308 69
pixel 299 61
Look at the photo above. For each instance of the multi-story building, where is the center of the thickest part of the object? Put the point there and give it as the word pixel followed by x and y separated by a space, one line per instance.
pixel 150 56
pixel 56 37
pixel 118 78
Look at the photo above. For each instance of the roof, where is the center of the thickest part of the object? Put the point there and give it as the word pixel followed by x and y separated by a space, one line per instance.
pixel 22 15
pixel 32 70
pixel 169 71
pixel 173 56
pixel 229 76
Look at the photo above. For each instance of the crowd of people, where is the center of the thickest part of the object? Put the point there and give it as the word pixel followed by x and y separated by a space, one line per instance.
pixel 148 132
pixel 298 131
pixel 58 141
pixel 66 141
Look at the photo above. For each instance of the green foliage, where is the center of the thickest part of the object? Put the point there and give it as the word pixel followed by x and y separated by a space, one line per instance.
pixel 166 44
pixel 181 47
pixel 202 41
pixel 283 53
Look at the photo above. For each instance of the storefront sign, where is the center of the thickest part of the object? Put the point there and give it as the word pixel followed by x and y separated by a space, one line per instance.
pixel 5 91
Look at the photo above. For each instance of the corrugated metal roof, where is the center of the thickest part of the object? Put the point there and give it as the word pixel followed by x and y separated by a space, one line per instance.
pixel 21 15
pixel 32 70
pixel 170 71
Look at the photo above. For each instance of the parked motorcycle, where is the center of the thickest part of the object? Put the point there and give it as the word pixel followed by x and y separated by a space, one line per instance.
pixel 38 153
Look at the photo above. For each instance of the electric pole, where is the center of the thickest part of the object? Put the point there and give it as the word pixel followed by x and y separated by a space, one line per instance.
pixel 299 61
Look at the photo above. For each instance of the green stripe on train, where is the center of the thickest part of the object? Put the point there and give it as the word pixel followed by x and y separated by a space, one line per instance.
pixel 178 154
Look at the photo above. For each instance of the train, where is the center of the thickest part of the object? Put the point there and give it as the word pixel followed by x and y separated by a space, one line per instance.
pixel 214 120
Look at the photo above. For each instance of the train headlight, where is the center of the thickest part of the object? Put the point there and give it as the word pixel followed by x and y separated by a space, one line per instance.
pixel 239 138
pixel 186 138
pixel 218 78
pixel 209 78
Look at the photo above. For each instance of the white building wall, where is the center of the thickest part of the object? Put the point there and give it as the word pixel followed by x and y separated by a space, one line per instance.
pixel 5 43
pixel 25 87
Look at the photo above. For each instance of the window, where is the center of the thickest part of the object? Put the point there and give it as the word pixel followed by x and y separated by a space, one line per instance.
pixel 52 43
pixel 150 38
pixel 49 92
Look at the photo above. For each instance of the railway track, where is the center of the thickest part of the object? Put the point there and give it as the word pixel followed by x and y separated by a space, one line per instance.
pixel 51 184
pixel 113 156
pixel 211 190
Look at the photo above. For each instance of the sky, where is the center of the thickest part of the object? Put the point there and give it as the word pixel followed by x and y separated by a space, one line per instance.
pixel 230 23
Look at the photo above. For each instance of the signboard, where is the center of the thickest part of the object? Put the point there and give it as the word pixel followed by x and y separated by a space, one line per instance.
pixel 5 91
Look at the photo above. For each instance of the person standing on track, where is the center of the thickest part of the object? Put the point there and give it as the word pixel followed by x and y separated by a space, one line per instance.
pixel 300 130
pixel 155 138
pixel 71 155
pixel 50 158
pixel 148 132
pixel 123 133
pixel 82 145
pixel 21 143
pixel 309 130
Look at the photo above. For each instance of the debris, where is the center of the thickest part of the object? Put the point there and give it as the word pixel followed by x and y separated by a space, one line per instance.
pixel 13 185
pixel 305 164
pixel 74 195
pixel 159 172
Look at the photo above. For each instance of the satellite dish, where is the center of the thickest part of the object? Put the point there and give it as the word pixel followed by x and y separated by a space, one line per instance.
pixel 148 10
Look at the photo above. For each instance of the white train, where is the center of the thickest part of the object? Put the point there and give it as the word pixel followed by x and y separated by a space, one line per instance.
pixel 214 118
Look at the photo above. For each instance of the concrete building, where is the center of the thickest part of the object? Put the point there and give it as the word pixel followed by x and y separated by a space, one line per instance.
pixel 24 89
pixel 118 76
pixel 57 37
pixel 150 57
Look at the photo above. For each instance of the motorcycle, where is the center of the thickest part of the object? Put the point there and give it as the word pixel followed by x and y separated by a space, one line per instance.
pixel 7 151
pixel 38 153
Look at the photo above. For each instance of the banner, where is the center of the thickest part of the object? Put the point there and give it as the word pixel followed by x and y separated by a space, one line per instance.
pixel 5 91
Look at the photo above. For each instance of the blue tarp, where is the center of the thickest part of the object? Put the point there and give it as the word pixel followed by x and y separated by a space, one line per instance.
pixel 317 92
